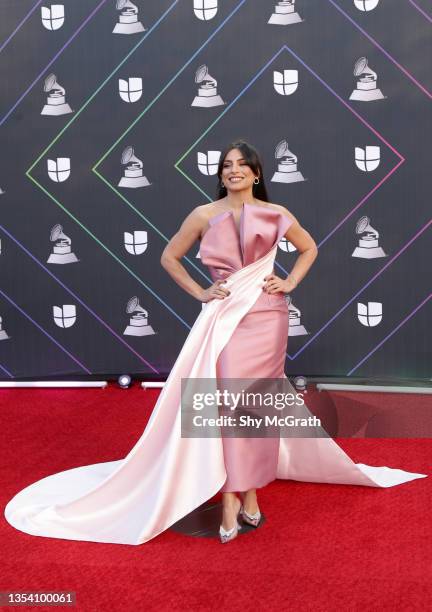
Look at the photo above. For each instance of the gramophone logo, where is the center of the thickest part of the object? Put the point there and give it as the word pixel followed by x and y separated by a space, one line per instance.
pixel 130 90
pixel 3 334
pixel 138 322
pixel 53 17
pixel 133 173
pixel 295 327
pixel 285 13
pixel 208 162
pixel 367 159
pixel 286 82
pixel 366 87
pixel 205 9
pixel 370 315
pixel 136 243
pixel 56 102
pixel 287 171
pixel 64 316
pixel 59 169
pixel 62 249
pixel 207 92
pixel 368 247
pixel 128 22
pixel 366 5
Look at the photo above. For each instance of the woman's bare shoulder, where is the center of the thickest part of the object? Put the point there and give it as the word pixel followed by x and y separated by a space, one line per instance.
pixel 205 211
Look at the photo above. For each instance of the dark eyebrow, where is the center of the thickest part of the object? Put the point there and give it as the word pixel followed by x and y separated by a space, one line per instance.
pixel 238 159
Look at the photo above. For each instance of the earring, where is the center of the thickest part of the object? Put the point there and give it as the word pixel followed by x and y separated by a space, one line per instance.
pixel 256 180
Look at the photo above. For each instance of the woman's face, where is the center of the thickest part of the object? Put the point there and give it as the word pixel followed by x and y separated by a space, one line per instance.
pixel 236 174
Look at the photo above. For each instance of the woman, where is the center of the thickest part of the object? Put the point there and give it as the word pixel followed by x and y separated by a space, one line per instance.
pixel 250 462
pixel 240 332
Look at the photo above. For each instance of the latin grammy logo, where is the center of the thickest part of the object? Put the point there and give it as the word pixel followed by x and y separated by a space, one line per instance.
pixel 286 82
pixel 205 9
pixel 366 5
pixel 208 162
pixel 59 169
pixel 368 247
pixel 62 250
pixel 285 13
pixel 128 19
pixel 53 17
pixel 136 243
pixel 207 92
pixel 138 322
pixel 64 316
pixel 295 327
pixel 131 90
pixel 367 159
pixel 133 174
pixel 56 103
pixel 366 87
pixel 3 334
pixel 287 168
pixel 369 315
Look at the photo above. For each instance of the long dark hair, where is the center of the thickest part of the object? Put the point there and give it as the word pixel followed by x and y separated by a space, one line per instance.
pixel 252 159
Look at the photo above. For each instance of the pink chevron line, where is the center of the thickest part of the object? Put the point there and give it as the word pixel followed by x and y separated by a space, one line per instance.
pixel 386 53
pixel 19 26
pixel 420 10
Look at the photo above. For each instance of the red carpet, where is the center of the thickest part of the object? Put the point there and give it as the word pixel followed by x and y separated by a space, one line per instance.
pixel 322 547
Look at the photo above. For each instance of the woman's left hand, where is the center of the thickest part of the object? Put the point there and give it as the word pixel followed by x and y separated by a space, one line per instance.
pixel 275 284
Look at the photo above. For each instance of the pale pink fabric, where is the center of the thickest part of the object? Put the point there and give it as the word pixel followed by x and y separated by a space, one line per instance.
pixel 165 476
pixel 257 348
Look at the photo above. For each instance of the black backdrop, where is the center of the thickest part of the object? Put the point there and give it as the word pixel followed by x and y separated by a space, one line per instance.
pixel 320 123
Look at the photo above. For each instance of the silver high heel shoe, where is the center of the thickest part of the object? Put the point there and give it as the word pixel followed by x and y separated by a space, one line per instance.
pixel 250 519
pixel 227 536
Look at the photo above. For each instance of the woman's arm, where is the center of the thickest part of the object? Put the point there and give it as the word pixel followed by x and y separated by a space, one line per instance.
pixel 308 250
pixel 189 232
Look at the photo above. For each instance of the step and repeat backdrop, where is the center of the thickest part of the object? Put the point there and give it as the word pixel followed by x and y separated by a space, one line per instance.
pixel 113 115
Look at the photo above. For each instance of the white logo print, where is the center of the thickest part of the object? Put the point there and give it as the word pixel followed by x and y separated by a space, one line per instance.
pixel 59 169
pixel 64 316
pixel 207 91
pixel 128 22
pixel 136 243
pixel 3 334
pixel 62 249
pixel 295 327
pixel 370 315
pixel 133 174
pixel 286 246
pixel 208 162
pixel 130 90
pixel 366 88
pixel 53 17
pixel 286 82
pixel 56 102
pixel 287 166
pixel 205 9
pixel 285 13
pixel 138 322
pixel 368 247
pixel 367 159
pixel 366 5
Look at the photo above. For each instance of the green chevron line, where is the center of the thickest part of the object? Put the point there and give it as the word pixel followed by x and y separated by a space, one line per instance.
pixel 141 115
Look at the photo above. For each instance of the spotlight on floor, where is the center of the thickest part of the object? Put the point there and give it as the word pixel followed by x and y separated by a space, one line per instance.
pixel 300 383
pixel 124 381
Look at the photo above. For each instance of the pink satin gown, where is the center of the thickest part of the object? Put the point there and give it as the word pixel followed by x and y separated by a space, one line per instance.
pixel 257 348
